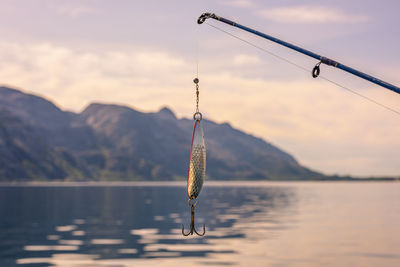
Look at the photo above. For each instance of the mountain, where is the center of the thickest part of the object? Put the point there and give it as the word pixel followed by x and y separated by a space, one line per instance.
pixel 39 141
pixel 26 155
pixel 59 128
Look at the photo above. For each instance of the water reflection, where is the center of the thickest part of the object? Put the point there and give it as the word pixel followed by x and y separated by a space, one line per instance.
pixel 126 225
pixel 257 224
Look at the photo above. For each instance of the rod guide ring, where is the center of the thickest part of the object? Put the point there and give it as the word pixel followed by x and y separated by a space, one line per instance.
pixel 316 70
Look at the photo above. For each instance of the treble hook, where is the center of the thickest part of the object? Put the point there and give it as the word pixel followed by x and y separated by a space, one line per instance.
pixel 192 228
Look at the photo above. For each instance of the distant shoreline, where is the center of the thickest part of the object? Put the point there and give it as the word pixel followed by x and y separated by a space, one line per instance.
pixel 178 183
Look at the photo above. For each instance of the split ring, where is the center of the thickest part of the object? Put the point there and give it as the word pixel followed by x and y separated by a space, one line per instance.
pixel 192 203
pixel 197 116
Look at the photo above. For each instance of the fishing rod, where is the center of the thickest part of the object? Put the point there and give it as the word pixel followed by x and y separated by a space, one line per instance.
pixel 316 70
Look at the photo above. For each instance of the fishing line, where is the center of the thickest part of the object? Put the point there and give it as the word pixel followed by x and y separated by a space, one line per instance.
pixel 305 69
pixel 197 51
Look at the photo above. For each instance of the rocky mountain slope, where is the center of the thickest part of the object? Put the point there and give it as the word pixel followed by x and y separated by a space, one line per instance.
pixel 39 141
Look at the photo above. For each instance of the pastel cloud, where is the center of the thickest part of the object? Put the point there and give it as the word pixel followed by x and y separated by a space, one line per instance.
pixel 310 14
pixel 325 126
pixel 76 77
pixel 243 59
pixel 75 10
pixel 237 3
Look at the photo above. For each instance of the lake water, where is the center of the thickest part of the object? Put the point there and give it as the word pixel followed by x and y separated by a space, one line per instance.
pixel 248 224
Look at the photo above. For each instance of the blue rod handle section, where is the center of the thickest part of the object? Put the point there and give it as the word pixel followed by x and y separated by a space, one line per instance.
pixel 322 59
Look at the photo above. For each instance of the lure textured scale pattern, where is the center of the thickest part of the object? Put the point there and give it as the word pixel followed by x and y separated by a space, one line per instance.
pixel 197 162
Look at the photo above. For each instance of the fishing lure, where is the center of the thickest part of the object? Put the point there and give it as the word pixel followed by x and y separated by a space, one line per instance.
pixel 197 164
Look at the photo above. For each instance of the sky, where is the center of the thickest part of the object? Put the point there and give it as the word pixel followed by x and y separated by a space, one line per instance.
pixel 144 54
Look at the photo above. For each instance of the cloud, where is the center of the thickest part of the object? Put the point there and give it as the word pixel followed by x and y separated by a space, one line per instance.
pixel 325 127
pixel 310 14
pixel 74 77
pixel 243 59
pixel 237 3
pixel 75 10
